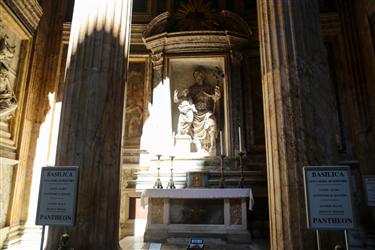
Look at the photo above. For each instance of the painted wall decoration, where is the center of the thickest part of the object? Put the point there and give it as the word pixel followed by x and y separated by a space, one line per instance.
pixel 135 108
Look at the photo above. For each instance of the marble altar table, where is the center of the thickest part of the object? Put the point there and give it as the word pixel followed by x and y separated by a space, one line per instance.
pixel 203 212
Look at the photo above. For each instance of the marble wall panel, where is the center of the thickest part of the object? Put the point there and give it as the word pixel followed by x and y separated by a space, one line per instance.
pixel 6 174
pixel 235 212
pixel 157 211
pixel 193 211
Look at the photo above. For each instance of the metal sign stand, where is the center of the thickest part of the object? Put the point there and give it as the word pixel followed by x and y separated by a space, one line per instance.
pixel 317 239
pixel 42 240
pixel 346 240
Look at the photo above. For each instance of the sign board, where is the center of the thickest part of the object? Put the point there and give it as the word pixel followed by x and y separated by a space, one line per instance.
pixel 196 244
pixel 370 190
pixel 328 197
pixel 57 196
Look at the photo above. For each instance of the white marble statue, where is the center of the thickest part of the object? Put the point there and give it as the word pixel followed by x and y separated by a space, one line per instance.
pixel 200 100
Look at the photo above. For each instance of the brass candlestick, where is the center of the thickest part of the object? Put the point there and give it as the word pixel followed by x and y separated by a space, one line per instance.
pixel 158 182
pixel 222 179
pixel 242 163
pixel 171 182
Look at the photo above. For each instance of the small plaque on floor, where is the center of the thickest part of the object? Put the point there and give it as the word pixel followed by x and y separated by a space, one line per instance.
pixel 155 246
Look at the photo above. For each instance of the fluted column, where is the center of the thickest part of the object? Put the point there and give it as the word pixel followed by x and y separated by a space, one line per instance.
pixel 297 112
pixel 91 122
pixel 359 90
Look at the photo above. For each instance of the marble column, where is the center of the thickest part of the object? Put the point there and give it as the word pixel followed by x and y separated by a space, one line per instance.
pixel 91 121
pixel 298 112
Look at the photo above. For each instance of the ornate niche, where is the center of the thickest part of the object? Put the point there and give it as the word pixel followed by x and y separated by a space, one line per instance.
pixel 198 38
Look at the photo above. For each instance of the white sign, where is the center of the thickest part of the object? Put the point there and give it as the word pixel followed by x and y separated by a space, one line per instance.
pixel 57 196
pixel 370 188
pixel 328 197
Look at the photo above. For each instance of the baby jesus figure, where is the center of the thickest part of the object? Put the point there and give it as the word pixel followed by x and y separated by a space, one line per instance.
pixel 187 110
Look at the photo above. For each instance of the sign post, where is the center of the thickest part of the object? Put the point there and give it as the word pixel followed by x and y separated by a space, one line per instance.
pixel 328 198
pixel 57 197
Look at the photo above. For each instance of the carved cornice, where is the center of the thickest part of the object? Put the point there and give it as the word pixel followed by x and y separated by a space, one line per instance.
pixel 226 21
pixel 28 11
pixel 195 41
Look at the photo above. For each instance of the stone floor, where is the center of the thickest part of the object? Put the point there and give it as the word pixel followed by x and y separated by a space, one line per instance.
pixel 136 243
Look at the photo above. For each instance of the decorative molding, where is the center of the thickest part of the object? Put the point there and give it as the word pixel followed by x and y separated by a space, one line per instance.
pixel 195 41
pixel 28 11
pixel 226 21
pixel 157 25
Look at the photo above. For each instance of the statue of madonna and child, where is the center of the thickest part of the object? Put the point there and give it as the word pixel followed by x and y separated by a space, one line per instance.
pixel 196 105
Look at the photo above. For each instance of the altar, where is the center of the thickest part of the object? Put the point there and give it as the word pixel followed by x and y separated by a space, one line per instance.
pixel 204 213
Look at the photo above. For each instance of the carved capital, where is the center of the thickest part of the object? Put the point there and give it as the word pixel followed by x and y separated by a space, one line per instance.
pixel 157 66
pixel 157 59
pixel 236 57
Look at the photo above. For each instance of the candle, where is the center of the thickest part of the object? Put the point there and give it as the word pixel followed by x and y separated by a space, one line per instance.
pixel 239 138
pixel 172 146
pixel 221 143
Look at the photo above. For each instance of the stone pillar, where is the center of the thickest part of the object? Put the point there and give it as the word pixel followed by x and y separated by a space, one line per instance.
pixel 359 66
pixel 91 121
pixel 298 112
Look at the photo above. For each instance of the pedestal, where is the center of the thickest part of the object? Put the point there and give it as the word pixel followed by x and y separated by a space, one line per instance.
pixel 182 146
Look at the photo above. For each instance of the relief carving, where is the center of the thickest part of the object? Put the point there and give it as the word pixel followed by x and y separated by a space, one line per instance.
pixel 8 101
